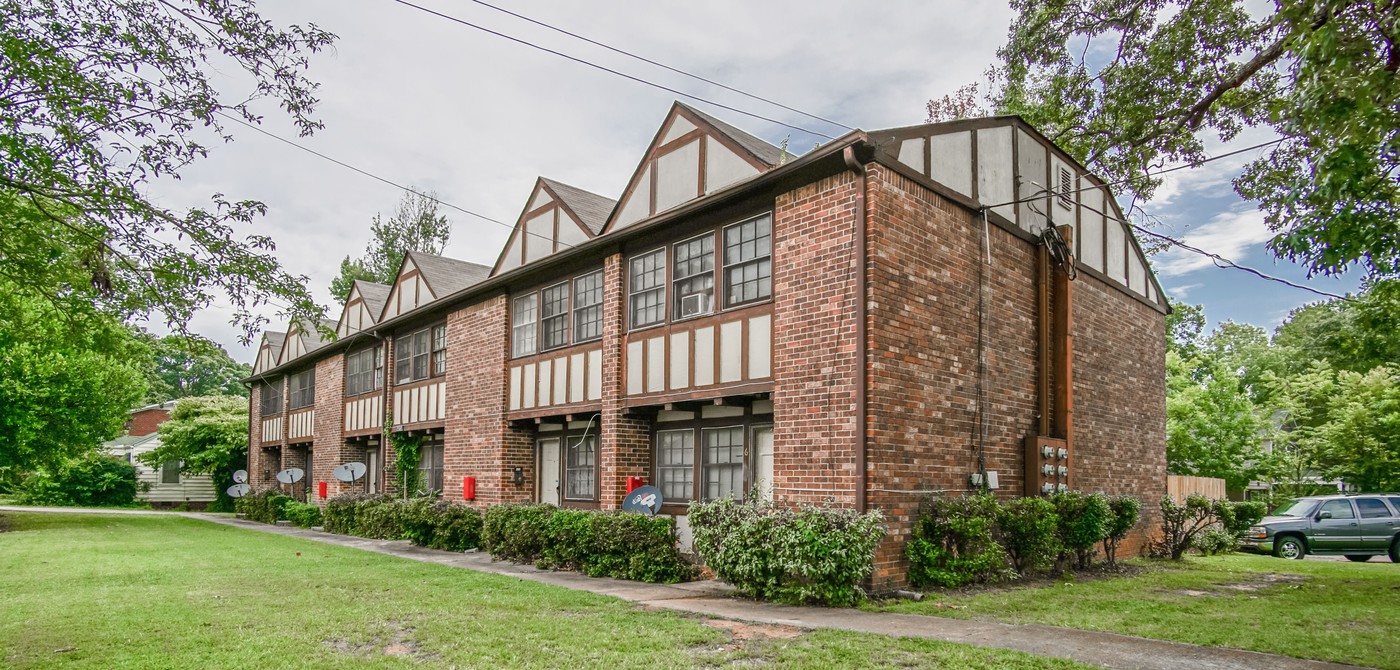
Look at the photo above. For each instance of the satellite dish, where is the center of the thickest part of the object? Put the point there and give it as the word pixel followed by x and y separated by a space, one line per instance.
pixel 239 490
pixel 645 499
pixel 349 472
pixel 240 476
pixel 290 475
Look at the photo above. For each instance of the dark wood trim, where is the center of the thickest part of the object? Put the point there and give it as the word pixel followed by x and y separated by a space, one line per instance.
pixel 747 421
pixel 717 390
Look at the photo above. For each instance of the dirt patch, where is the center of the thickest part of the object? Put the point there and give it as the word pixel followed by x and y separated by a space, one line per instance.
pixel 395 639
pixel 744 631
pixel 1264 581
pixel 744 644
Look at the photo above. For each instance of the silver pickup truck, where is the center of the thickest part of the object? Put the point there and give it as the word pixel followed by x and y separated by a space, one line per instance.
pixel 1355 526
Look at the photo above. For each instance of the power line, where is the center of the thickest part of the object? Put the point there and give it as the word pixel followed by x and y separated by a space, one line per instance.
pixel 609 70
pixel 663 65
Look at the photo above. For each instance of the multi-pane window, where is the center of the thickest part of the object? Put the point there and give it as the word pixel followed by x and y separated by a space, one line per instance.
pixel 723 469
pixel 364 371
pixel 675 465
pixel 580 467
pixel 417 354
pixel 170 472
pixel 588 307
pixel 270 398
pixel 554 317
pixel 748 261
pixel 301 389
pixel 647 288
pixel 430 465
pixel 523 316
pixel 694 277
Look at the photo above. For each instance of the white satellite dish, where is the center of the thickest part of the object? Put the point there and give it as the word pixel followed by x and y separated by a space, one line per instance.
pixel 239 490
pixel 349 472
pixel 240 476
pixel 290 475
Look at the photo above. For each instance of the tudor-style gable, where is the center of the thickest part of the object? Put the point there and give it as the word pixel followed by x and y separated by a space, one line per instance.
pixel 362 307
pixel 693 154
pixel 557 217
pixel 269 351
pixel 423 278
pixel 302 340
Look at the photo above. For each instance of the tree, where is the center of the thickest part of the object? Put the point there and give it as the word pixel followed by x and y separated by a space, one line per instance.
pixel 100 100
pixel 1185 324
pixel 1360 443
pixel 414 226
pixel 1356 334
pixel 189 365
pixel 208 435
pixel 1127 86
pixel 1213 430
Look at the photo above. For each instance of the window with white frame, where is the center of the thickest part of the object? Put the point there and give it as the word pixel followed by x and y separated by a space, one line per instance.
pixel 748 261
pixel 524 314
pixel 588 307
pixel 722 470
pixel 568 312
pixel 580 467
pixel 420 354
pixel 439 350
pixel 270 398
pixel 301 389
pixel 693 288
pixel 364 370
pixel 647 288
pixel 675 465
pixel 554 317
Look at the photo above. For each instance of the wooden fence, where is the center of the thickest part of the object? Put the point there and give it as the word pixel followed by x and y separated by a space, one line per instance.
pixel 1180 486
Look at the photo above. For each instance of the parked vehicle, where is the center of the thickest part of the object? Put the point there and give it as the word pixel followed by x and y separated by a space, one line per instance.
pixel 1355 526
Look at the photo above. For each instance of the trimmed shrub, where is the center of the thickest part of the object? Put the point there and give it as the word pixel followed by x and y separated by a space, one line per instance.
pixel 1247 513
pixel 954 543
pixel 263 506
pixel 302 514
pixel 1123 516
pixel 1083 523
pixel 439 524
pixel 788 555
pixel 624 545
pixel 1030 533
pixel 1215 541
pixel 1182 522
pixel 92 480
pixel 516 532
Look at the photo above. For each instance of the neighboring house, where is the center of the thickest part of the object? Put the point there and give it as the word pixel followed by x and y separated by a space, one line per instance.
pixel 862 325
pixel 165 486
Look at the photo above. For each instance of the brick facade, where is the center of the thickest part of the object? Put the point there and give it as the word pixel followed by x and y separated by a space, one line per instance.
pixel 146 421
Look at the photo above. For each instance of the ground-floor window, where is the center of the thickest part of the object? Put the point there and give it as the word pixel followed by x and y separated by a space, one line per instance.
pixel 430 464
pixel 170 472
pixel 567 457
pixel 713 451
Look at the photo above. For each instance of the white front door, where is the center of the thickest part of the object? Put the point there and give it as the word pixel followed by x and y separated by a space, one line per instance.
pixel 763 461
pixel 549 470
pixel 372 471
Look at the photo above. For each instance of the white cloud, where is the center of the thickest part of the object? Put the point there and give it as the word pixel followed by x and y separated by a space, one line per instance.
pixel 1228 234
pixel 1180 292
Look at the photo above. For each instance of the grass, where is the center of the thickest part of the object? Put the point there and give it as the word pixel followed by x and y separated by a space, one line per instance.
pixel 1324 610
pixel 126 591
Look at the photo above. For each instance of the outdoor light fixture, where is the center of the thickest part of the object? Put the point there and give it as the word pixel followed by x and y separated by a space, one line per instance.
pixel 517 476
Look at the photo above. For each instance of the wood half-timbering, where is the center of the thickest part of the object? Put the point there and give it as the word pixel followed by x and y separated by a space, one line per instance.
pixel 272 429
pixel 364 414
pixel 423 278
pixel 420 403
pixel 362 307
pixel 731 352
pixel 269 351
pixel 1026 182
pixel 692 154
pixel 409 292
pixel 301 424
pixel 556 217
pixel 569 379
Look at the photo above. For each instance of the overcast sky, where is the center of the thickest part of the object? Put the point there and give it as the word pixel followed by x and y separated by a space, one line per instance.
pixel 423 101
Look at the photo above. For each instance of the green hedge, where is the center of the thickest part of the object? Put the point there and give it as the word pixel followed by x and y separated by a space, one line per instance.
pixel 426 522
pixel 788 555
pixel 302 514
pixel 92 480
pixel 954 543
pixel 263 506
pixel 600 544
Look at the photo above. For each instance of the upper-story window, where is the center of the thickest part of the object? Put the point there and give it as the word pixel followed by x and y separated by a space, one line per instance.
pixel 420 354
pixel 270 398
pixel 301 389
pixel 364 370
pixel 745 274
pixel 570 312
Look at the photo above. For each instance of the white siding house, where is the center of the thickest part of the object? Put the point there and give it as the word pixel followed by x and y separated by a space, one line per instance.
pixel 165 485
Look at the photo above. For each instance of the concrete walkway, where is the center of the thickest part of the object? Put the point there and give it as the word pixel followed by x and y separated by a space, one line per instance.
pixel 712 598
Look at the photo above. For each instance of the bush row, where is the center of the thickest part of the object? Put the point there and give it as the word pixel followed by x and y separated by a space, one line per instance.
pixel 788 555
pixel 426 522
pixel 268 506
pixel 600 544
pixel 92 480
pixel 978 539
pixel 302 514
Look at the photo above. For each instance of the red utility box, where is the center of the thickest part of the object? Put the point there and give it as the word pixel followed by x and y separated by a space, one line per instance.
pixel 469 488
pixel 634 483
pixel 321 489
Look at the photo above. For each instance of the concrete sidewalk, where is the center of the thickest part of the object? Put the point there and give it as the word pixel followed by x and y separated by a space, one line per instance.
pixel 712 598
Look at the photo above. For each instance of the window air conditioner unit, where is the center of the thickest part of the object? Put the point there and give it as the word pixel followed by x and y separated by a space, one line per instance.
pixel 694 305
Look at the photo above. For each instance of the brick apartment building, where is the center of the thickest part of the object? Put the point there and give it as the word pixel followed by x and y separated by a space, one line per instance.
pixel 890 314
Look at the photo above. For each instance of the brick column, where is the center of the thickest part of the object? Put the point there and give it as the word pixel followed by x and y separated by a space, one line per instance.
pixel 625 444
pixel 331 447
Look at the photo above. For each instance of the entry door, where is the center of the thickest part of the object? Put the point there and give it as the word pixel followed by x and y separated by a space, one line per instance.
pixel 762 462
pixel 549 470
pixel 372 471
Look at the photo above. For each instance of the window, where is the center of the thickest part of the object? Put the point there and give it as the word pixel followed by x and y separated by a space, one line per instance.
pixel 364 370
pixel 170 472
pixel 1340 509
pixel 270 398
pixel 724 463
pixel 1372 508
pixel 523 316
pixel 748 261
pixel 647 288
pixel 695 277
pixel 302 389
pixel 580 468
pixel 420 354
pixel 430 465
pixel 588 307
pixel 675 465
pixel 554 317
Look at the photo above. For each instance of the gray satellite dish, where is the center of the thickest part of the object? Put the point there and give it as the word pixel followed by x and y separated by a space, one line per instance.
pixel 349 472
pixel 645 499
pixel 240 476
pixel 239 490
pixel 290 475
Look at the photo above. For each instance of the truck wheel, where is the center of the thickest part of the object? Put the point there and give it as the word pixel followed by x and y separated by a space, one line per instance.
pixel 1358 559
pixel 1395 550
pixel 1290 547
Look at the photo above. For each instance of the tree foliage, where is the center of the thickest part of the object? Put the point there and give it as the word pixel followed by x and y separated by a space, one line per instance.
pixel 181 366
pixel 1128 86
pixel 208 435
pixel 1213 430
pixel 415 225
pixel 99 101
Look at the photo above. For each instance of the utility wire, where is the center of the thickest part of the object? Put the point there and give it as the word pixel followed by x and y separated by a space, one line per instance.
pixel 609 70
pixel 663 65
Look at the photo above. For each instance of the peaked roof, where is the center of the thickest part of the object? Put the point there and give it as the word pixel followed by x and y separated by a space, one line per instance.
pixel 592 209
pixel 446 276
pixel 311 339
pixel 275 340
pixel 760 149
pixel 374 295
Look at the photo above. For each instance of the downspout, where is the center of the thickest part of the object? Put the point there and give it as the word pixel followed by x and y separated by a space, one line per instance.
pixel 862 285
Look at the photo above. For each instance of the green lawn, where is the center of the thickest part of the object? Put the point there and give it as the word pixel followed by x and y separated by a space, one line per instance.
pixel 111 591
pixel 1334 611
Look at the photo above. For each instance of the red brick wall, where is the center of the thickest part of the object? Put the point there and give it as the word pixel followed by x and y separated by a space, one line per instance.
pixel 624 440
pixel 331 448
pixel 146 421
